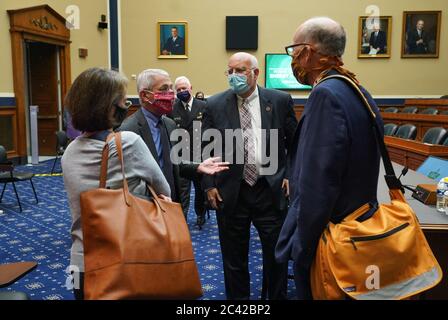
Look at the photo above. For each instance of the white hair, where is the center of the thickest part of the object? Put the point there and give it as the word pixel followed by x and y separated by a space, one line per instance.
pixel 145 80
pixel 328 35
pixel 182 79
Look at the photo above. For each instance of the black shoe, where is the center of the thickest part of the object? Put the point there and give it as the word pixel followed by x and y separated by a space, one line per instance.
pixel 200 221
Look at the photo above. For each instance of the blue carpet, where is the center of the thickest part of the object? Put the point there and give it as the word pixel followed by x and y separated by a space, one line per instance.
pixel 41 233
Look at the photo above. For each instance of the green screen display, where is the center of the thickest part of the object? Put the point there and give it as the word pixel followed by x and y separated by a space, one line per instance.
pixel 279 73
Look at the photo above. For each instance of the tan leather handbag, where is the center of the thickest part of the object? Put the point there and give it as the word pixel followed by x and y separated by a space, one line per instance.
pixel 135 248
pixel 375 253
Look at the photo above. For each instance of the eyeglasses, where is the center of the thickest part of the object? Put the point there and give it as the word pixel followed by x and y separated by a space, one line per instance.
pixel 127 105
pixel 238 71
pixel 290 49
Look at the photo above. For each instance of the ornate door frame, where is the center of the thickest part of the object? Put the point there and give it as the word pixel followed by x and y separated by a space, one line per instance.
pixel 41 24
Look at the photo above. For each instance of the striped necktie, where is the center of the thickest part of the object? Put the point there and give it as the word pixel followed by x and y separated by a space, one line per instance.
pixel 250 168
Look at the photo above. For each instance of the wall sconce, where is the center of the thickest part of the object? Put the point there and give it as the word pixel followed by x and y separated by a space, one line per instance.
pixel 103 24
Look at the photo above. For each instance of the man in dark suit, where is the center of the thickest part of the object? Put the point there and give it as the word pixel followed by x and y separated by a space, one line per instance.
pixel 378 40
pixel 188 113
pixel 175 45
pixel 417 39
pixel 335 158
pixel 151 123
pixel 253 190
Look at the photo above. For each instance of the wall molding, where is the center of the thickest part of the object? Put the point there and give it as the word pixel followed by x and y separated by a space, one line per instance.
pixel 380 100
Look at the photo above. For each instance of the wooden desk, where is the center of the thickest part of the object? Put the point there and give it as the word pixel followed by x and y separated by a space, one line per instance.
pixel 423 122
pixel 10 273
pixel 433 223
pixel 413 153
pixel 421 104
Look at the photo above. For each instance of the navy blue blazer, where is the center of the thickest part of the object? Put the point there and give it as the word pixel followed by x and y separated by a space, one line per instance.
pixel 335 167
pixel 380 41
pixel 175 47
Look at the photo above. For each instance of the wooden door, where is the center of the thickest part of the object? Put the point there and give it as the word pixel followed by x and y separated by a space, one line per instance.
pixel 43 92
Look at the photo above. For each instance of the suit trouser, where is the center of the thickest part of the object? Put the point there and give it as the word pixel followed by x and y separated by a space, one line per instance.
pixel 185 190
pixel 79 292
pixel 255 205
pixel 302 280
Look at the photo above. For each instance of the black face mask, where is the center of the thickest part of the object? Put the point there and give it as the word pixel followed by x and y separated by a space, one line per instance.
pixel 121 113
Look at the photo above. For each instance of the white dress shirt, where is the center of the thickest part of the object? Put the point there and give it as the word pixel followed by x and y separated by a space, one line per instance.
pixel 190 104
pixel 253 102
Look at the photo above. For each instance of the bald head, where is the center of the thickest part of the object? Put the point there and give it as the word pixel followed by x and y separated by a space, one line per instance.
pixel 245 58
pixel 327 35
pixel 243 63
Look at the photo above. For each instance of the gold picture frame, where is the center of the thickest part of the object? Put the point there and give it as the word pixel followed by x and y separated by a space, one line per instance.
pixel 375 37
pixel 423 43
pixel 167 48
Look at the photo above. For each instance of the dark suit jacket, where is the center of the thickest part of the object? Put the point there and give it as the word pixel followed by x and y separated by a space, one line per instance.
pixel 137 123
pixel 175 47
pixel 379 42
pixel 276 113
pixel 185 120
pixel 335 168
pixel 413 37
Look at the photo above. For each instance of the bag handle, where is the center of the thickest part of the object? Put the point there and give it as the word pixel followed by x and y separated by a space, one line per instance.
pixel 391 179
pixel 104 164
pixel 156 198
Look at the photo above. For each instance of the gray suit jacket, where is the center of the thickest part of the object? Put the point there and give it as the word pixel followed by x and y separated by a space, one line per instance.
pixel 137 123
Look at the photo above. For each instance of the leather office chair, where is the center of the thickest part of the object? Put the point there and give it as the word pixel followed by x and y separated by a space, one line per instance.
pixel 8 175
pixel 445 143
pixel 435 135
pixel 390 129
pixel 391 110
pixel 430 111
pixel 407 131
pixel 412 110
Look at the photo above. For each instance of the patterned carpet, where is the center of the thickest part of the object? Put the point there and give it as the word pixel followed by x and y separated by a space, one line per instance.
pixel 41 233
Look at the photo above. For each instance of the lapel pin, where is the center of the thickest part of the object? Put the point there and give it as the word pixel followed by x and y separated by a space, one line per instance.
pixel 268 109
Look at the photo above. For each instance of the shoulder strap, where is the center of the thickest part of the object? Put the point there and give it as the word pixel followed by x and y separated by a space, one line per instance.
pixel 105 160
pixel 391 179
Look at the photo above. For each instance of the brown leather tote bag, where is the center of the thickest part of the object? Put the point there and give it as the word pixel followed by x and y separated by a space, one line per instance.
pixel 135 248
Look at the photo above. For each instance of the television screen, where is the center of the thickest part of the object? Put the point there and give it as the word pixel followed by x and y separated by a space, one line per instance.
pixel 279 73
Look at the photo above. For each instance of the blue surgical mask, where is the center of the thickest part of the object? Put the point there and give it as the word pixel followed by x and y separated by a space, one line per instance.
pixel 238 83
pixel 184 96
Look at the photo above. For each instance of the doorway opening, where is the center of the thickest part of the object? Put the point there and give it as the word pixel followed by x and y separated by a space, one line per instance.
pixel 44 90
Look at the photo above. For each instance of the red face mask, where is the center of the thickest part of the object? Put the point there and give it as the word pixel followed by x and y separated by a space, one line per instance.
pixel 163 102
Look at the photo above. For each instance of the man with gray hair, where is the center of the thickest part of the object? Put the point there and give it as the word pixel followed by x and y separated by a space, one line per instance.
pixel 247 193
pixel 155 90
pixel 335 158
pixel 187 113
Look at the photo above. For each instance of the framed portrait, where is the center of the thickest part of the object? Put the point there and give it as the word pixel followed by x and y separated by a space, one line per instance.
pixel 421 34
pixel 172 40
pixel 375 35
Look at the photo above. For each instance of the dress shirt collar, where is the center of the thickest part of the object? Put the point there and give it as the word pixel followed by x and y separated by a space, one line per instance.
pixel 190 103
pixel 151 117
pixel 249 99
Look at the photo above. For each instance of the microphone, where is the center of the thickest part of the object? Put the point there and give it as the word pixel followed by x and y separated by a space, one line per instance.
pixel 403 173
